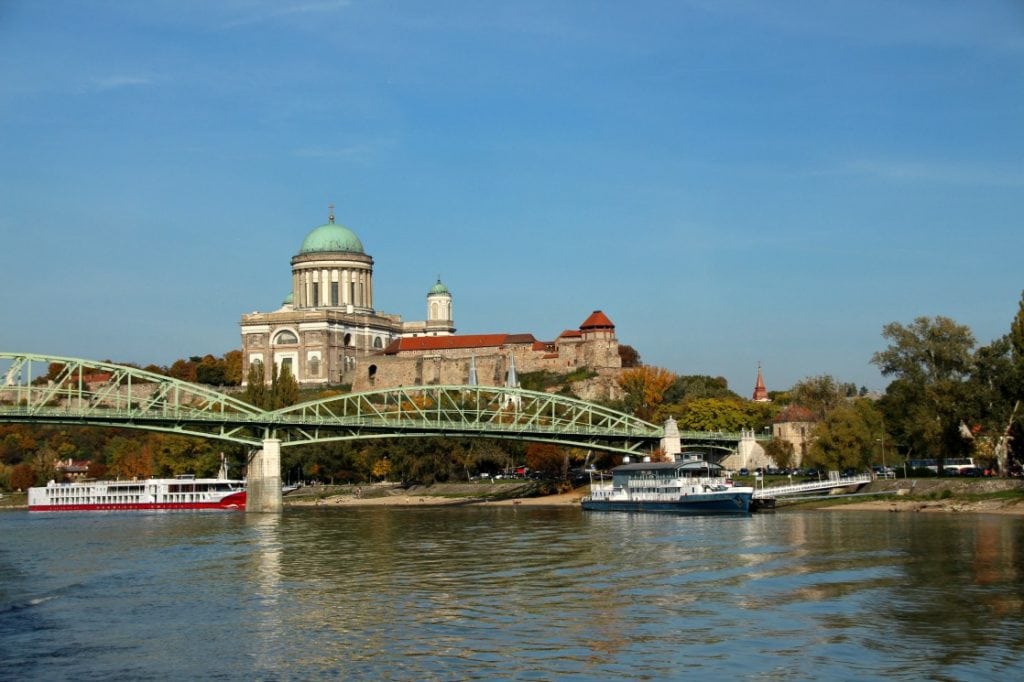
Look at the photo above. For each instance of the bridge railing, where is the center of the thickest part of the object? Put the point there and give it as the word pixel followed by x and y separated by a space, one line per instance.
pixel 811 486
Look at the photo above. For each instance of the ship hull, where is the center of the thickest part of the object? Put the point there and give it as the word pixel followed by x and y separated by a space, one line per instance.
pixel 733 503
pixel 233 502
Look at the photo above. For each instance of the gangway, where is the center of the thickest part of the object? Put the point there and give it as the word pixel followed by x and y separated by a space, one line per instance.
pixel 766 497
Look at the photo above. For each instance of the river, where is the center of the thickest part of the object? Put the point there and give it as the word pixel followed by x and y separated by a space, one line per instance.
pixel 536 593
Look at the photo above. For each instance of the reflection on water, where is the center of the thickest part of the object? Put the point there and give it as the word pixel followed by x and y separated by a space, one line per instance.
pixel 484 593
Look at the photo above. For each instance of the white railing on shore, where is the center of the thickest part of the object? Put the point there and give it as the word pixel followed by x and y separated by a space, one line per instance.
pixel 797 488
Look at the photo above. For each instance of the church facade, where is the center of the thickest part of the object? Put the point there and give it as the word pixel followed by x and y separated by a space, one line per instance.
pixel 328 332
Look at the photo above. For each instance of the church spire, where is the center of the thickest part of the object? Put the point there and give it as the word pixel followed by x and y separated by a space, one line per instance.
pixel 760 391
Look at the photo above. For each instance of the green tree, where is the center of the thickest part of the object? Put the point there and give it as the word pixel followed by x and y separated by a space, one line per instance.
pixel 781 452
pixel 821 394
pixel 698 386
pixel 210 371
pixel 284 389
pixel 256 385
pixel 847 438
pixel 931 360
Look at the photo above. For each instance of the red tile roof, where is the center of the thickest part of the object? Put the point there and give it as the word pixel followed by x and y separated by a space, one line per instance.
pixel 597 320
pixel 455 342
pixel 571 334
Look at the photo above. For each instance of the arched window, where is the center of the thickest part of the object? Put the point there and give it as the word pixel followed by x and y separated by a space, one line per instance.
pixel 348 340
pixel 378 342
pixel 372 374
pixel 285 338
pixel 314 367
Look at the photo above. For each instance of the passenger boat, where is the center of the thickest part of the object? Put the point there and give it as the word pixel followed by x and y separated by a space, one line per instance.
pixel 183 492
pixel 688 487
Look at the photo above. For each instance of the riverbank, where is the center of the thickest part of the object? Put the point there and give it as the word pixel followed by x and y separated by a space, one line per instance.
pixel 498 493
pixel 937 495
pixel 948 495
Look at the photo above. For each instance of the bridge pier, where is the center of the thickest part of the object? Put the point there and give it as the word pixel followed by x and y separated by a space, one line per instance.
pixel 263 480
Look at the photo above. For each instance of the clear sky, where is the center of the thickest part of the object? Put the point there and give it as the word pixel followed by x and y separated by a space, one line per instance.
pixel 731 181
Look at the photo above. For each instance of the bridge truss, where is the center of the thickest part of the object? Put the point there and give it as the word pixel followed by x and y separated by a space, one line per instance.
pixel 96 393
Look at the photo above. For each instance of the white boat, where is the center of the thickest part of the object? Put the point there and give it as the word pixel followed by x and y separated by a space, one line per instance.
pixel 689 487
pixel 183 492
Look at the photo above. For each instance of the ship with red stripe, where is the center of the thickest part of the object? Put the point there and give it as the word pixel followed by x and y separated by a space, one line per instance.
pixel 183 492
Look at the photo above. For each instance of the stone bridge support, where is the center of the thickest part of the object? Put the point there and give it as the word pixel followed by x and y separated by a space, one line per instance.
pixel 263 480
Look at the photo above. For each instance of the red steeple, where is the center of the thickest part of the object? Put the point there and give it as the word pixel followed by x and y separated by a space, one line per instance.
pixel 760 392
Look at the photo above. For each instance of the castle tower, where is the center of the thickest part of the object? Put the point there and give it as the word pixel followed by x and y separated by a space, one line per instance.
pixel 760 391
pixel 440 321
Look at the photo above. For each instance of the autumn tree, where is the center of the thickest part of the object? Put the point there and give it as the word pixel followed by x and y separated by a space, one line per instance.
pixel 233 368
pixel 381 468
pixel 645 389
pixel 22 476
pixel 550 460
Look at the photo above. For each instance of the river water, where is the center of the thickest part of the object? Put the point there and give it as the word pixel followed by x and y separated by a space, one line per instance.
pixel 463 593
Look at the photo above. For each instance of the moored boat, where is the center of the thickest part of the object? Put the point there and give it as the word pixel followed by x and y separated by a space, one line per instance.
pixel 688 487
pixel 183 492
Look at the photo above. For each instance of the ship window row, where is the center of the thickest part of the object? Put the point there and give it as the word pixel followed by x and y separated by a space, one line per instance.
pixel 124 499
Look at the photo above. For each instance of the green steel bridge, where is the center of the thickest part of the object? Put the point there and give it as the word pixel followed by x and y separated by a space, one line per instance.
pixel 96 393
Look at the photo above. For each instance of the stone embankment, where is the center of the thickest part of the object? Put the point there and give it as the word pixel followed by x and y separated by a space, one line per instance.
pixel 951 495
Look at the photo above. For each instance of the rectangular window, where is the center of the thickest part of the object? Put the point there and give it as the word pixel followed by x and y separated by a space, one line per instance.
pixel 334 294
pixel 316 294
pixel 352 292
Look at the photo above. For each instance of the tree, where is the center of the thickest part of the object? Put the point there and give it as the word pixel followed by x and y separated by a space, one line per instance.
pixel 285 389
pixel 210 371
pixel 781 452
pixel 233 368
pixel 381 468
pixel 550 460
pixel 645 389
pixel 256 385
pixel 698 386
pixel 821 394
pixel 847 438
pixel 22 476
pixel 630 356
pixel 931 359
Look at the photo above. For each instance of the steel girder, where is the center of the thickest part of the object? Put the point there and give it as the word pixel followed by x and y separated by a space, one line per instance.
pixel 96 393
pixel 480 411
pixel 88 392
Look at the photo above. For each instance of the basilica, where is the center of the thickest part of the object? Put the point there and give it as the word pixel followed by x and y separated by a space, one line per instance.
pixel 327 331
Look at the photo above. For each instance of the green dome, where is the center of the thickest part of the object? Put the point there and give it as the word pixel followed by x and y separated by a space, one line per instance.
pixel 289 299
pixel 331 237
pixel 439 289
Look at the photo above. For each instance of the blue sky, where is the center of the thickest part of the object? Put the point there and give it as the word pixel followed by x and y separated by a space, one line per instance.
pixel 731 181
